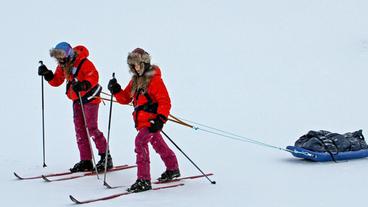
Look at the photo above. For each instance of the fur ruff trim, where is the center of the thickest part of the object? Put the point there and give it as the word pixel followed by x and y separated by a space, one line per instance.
pixel 141 82
pixel 57 53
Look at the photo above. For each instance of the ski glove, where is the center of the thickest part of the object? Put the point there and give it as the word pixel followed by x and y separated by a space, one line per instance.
pixel 157 123
pixel 114 86
pixel 46 73
pixel 81 86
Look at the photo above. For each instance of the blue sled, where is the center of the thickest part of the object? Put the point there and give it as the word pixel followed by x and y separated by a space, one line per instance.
pixel 324 156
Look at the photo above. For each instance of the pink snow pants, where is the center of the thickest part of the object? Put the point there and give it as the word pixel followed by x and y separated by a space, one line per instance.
pixel 143 159
pixel 91 112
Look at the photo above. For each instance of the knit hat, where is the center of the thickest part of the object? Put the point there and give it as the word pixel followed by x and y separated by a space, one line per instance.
pixel 62 50
pixel 137 56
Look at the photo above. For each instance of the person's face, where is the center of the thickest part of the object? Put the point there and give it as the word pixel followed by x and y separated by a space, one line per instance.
pixel 61 61
pixel 137 68
pixel 60 57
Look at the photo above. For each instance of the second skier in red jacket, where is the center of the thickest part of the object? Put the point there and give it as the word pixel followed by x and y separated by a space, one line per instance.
pixel 152 105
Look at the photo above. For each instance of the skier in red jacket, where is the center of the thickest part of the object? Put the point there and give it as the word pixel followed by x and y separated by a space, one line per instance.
pixel 151 108
pixel 82 77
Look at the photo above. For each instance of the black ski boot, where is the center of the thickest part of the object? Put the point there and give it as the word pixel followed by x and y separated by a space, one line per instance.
pixel 82 166
pixel 139 186
pixel 169 175
pixel 101 164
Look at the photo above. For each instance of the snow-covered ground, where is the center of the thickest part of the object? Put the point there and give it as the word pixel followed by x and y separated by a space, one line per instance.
pixel 268 70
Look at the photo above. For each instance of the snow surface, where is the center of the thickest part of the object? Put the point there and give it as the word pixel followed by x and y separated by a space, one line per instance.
pixel 268 70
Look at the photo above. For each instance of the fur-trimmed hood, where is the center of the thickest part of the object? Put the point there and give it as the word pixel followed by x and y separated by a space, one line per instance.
pixel 138 56
pixel 82 51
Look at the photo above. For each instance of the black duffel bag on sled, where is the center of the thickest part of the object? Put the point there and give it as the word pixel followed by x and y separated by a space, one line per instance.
pixel 327 146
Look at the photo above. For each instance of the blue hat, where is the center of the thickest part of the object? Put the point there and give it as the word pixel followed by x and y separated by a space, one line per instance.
pixel 64 47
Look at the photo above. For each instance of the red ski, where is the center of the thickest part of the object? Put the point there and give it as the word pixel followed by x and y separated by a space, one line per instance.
pixel 163 182
pixel 118 195
pixel 50 175
pixel 117 168
pixel 40 176
pixel 183 178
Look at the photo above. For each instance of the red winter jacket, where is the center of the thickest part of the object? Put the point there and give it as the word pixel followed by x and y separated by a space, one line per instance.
pixel 87 72
pixel 156 90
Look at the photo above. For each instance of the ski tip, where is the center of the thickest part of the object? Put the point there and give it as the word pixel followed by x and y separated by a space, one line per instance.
pixel 45 178
pixel 74 200
pixel 16 175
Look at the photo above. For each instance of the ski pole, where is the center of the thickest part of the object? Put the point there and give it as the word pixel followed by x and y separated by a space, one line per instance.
pixel 88 135
pixel 43 121
pixel 212 182
pixel 108 136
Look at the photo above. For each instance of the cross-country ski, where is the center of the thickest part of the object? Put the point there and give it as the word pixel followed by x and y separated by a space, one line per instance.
pixel 76 201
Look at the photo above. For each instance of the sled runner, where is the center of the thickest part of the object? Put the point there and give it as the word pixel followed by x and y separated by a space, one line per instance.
pixel 325 156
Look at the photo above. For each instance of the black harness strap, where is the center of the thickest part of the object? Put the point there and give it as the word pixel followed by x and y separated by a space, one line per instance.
pixel 150 106
pixel 91 94
pixel 69 83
